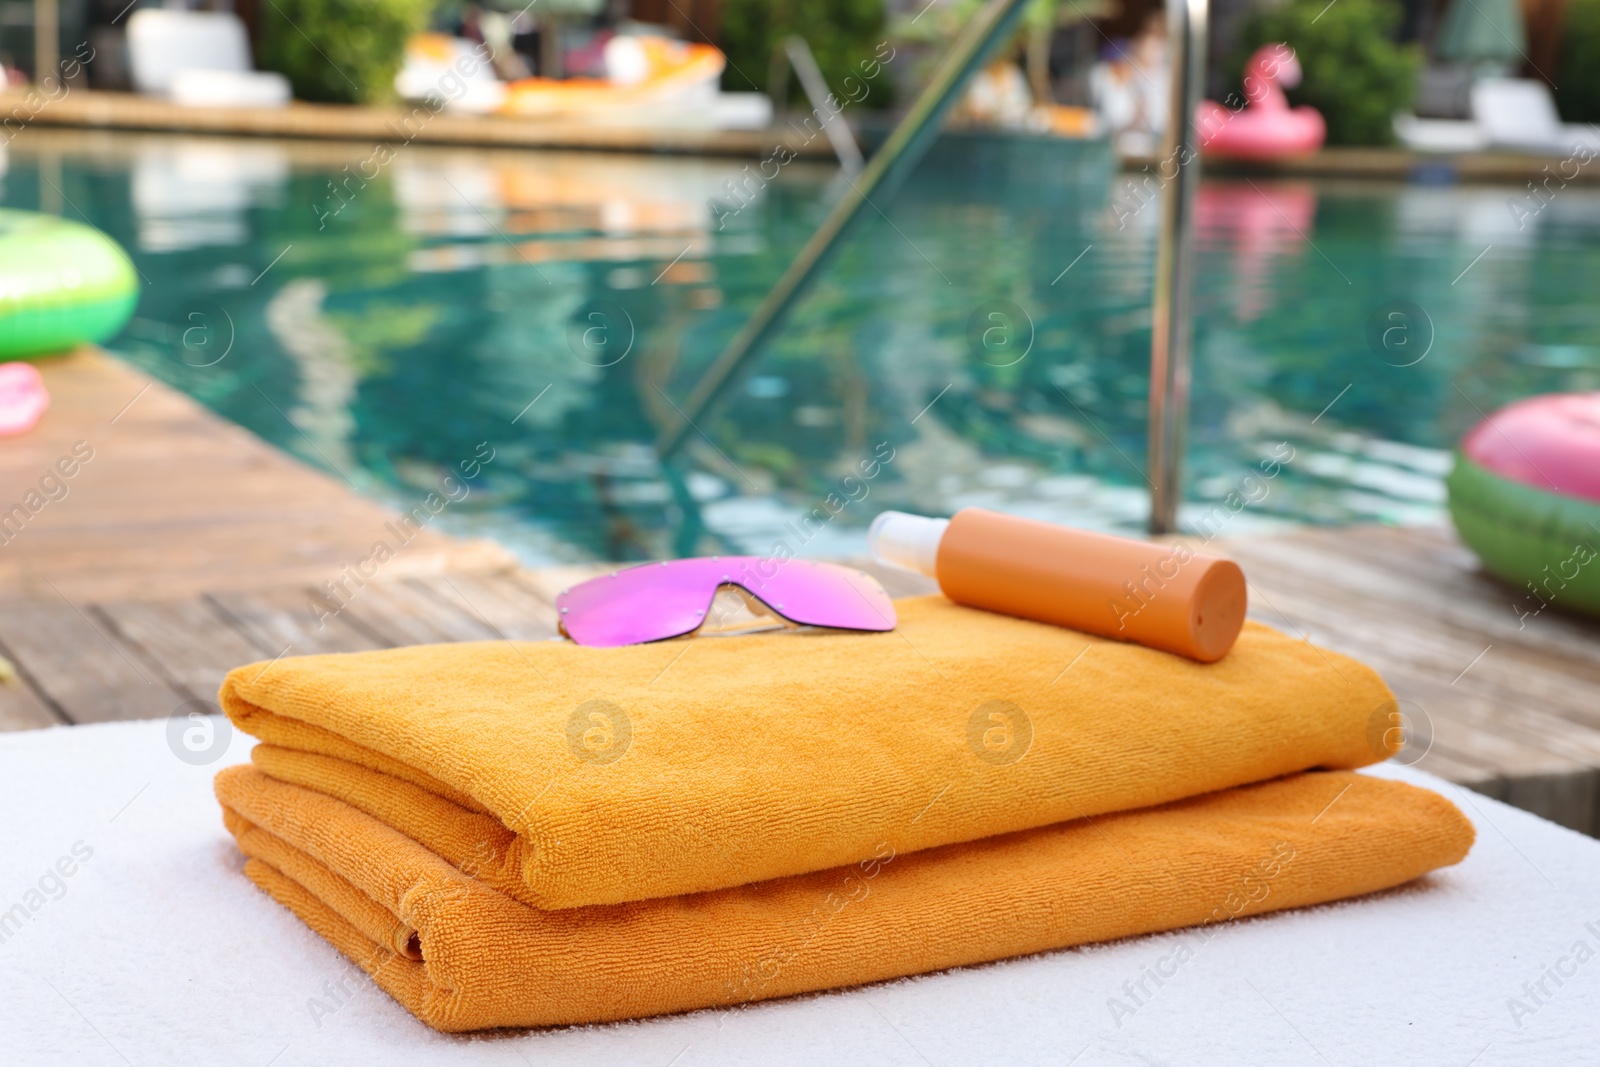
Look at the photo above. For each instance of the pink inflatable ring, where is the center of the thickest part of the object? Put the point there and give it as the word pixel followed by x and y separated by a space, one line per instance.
pixel 23 398
pixel 1525 496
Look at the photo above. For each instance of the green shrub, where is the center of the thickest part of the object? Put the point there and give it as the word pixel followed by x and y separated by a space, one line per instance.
pixel 1354 72
pixel 339 51
pixel 1578 81
pixel 842 34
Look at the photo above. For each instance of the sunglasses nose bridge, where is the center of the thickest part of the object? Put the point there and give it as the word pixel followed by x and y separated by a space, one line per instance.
pixel 749 599
pixel 772 600
pixel 689 597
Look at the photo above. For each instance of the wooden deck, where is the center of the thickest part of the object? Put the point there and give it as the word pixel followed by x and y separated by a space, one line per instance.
pixel 176 501
pixel 115 596
pixel 85 108
pixel 1400 164
pixel 186 547
pixel 1512 704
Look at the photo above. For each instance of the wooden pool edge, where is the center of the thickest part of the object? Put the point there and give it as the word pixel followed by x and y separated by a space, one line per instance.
pixel 396 125
pixel 1396 164
pixel 99 110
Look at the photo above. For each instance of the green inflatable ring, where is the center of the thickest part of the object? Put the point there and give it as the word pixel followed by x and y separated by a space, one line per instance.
pixel 62 284
pixel 1544 543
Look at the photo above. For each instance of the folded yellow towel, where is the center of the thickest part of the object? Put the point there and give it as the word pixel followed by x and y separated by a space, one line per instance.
pixel 461 956
pixel 598 776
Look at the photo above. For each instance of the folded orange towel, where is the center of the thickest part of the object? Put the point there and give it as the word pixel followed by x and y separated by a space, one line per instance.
pixel 461 956
pixel 574 776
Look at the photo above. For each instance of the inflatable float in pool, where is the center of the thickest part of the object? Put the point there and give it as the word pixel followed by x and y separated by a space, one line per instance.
pixel 62 284
pixel 642 73
pixel 23 398
pixel 1525 496
pixel 1266 127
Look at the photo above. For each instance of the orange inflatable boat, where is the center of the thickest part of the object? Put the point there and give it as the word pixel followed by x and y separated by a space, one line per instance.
pixel 644 71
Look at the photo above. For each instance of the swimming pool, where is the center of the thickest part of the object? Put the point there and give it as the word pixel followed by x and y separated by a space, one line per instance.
pixel 561 306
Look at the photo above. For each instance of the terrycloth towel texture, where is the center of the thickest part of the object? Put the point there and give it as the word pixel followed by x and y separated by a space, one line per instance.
pixel 570 776
pixel 462 956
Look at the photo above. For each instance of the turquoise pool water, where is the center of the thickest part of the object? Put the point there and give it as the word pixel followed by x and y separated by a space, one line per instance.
pixel 559 306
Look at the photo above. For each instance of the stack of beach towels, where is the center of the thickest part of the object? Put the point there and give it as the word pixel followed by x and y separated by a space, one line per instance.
pixel 516 834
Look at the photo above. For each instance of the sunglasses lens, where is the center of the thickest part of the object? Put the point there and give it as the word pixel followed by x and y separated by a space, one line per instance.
pixel 660 600
pixel 821 594
pixel 648 603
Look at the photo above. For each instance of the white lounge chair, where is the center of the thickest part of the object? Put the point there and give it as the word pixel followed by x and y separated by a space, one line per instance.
pixel 199 59
pixel 1515 114
pixel 156 948
pixel 1441 136
pixel 1520 113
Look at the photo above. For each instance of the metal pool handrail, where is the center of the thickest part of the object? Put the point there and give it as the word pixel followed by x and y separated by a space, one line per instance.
pixel 1172 326
pixel 794 54
pixel 887 168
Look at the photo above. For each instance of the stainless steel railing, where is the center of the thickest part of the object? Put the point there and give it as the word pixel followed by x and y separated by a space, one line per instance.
pixel 884 172
pixel 1172 320
pixel 1172 333
pixel 794 54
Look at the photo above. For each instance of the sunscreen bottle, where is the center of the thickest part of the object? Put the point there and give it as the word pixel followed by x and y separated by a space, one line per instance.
pixel 1162 596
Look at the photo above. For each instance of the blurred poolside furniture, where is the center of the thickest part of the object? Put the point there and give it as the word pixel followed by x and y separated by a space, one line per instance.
pixel 741 111
pixel 650 81
pixel 434 66
pixel 1519 113
pixel 1515 114
pixel 1442 136
pixel 199 59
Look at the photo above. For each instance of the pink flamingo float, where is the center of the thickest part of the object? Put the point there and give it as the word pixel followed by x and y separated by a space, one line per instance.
pixel 1262 224
pixel 1266 127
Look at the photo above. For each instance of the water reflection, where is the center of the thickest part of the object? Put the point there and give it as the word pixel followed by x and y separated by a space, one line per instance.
pixel 191 193
pixel 562 305
pixel 1261 225
pixel 569 209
